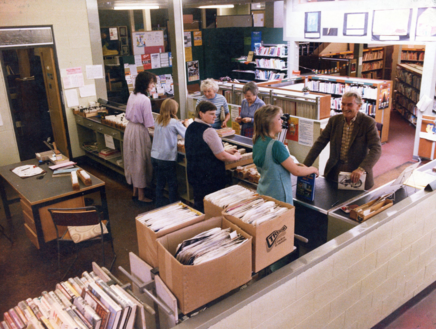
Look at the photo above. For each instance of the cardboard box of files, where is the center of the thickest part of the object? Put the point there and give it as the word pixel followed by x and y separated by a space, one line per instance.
pixel 272 239
pixel 196 285
pixel 147 237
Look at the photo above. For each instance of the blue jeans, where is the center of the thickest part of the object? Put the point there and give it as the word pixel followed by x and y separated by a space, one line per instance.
pixel 166 172
pixel 217 125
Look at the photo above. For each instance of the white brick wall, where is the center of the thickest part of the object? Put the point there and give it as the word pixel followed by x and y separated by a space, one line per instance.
pixel 360 284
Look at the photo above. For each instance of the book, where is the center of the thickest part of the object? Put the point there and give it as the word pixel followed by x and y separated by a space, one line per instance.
pixel 345 183
pixel 306 187
pixel 107 301
pixel 102 311
pixel 88 312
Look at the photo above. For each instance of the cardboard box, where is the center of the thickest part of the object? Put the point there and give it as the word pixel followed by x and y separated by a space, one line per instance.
pixel 272 239
pixel 196 285
pixel 147 238
pixel 188 18
pixel 211 210
pixel 195 25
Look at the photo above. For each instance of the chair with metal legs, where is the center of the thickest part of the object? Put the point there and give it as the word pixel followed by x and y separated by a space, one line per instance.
pixel 79 226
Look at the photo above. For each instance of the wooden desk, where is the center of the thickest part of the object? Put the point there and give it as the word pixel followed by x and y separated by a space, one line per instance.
pixel 37 195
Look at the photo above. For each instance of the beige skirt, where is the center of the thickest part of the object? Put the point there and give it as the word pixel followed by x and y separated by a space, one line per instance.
pixel 137 159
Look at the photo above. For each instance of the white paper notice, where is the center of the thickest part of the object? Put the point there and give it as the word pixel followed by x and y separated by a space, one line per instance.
pixel 87 91
pixel 155 61
pixel 109 141
pixel 164 60
pixel 94 71
pixel 305 132
pixel 73 78
pixel 72 97
pixel 138 60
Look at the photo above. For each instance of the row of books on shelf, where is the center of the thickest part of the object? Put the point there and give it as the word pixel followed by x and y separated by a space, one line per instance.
pixel 371 55
pixel 341 88
pixel 412 55
pixel 407 115
pixel 371 75
pixel 281 50
pixel 372 66
pixel 269 75
pixel 367 107
pixel 303 110
pixel 409 92
pixel 409 78
pixel 406 103
pixel 271 63
pixel 78 303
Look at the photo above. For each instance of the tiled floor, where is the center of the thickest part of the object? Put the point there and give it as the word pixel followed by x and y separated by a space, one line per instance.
pixel 26 272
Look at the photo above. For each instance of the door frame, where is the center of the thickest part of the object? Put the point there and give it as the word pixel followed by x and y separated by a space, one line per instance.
pixel 57 70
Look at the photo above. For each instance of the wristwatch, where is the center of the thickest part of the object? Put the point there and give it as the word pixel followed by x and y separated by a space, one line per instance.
pixel 362 170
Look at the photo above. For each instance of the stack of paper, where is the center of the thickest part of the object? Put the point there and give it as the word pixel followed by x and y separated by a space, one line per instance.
pixel 256 211
pixel 230 195
pixel 208 245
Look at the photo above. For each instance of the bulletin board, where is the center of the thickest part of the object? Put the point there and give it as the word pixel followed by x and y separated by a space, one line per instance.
pixel 147 42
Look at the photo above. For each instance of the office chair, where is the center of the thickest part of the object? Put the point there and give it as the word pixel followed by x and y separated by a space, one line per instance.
pixel 84 224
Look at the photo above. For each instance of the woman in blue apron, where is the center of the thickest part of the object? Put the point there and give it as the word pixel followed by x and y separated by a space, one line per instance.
pixel 272 157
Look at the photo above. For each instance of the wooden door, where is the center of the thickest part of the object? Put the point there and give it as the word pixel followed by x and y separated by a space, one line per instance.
pixel 54 99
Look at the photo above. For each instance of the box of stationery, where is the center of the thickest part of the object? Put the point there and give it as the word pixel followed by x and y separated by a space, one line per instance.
pixel 216 202
pixel 156 223
pixel 271 223
pixel 204 261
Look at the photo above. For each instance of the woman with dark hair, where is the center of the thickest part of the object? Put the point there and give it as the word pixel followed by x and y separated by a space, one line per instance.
pixel 249 106
pixel 205 154
pixel 271 157
pixel 137 144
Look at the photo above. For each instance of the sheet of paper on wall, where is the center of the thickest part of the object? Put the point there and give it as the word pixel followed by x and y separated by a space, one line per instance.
pixel 155 61
pixel 164 60
pixel 133 70
pixel 188 54
pixel 138 60
pixel 73 81
pixel 72 97
pixel 109 141
pixel 94 72
pixel 305 132
pixel 1 120
pixel 87 91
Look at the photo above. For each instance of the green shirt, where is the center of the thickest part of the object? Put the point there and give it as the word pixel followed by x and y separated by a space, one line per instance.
pixel 279 151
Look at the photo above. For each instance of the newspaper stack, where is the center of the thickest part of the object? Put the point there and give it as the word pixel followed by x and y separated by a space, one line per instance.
pixel 230 195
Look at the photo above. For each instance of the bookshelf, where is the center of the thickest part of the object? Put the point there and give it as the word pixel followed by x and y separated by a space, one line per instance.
pixel 270 62
pixel 412 55
pixel 376 95
pixel 372 61
pixel 407 89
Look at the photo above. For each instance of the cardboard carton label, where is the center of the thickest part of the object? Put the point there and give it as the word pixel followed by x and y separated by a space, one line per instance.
pixel 272 238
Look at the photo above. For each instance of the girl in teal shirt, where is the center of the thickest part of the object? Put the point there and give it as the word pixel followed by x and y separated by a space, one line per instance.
pixel 272 158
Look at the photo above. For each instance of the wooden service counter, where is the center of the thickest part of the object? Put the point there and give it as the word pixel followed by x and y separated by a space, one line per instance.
pixel 355 279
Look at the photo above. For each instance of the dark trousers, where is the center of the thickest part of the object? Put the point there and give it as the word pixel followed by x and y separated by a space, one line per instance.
pixel 165 173
pixel 201 190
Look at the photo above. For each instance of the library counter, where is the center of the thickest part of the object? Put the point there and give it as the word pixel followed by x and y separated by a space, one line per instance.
pixel 360 276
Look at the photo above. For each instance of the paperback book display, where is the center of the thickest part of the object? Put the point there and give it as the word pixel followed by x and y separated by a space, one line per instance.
pixel 78 303
pixel 306 187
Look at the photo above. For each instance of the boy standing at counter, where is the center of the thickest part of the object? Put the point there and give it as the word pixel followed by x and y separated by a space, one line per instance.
pixel 354 142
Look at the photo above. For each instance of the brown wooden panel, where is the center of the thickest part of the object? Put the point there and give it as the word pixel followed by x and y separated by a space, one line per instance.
pixel 29 221
pixel 425 147
pixel 46 221
pixel 54 100
pixel 31 235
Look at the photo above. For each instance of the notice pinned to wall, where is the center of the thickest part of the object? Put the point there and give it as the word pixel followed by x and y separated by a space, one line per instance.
pixel 198 38
pixel 72 97
pixel 72 77
pixel 94 72
pixel 305 132
pixel 188 54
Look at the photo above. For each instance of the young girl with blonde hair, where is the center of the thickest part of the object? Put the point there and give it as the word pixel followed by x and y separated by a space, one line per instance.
pixel 164 150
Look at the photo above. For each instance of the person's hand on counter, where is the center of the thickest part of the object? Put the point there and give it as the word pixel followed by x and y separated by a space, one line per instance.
pixel 232 151
pixel 224 124
pixel 356 174
pixel 247 120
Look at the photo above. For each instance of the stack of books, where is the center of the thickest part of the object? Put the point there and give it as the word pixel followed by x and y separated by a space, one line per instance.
pixel 108 153
pixel 224 132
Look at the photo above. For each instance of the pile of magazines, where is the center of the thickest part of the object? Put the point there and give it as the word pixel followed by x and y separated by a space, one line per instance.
pixel 167 217
pixel 230 195
pixel 208 245
pixel 256 211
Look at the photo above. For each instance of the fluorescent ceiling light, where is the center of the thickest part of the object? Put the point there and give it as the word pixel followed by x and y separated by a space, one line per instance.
pixel 217 6
pixel 132 7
